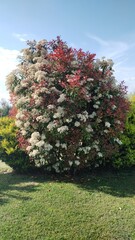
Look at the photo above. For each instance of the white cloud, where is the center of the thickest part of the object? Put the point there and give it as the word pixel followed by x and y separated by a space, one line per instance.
pixel 8 62
pixel 127 74
pixel 110 49
pixel 120 52
pixel 97 39
pixel 22 37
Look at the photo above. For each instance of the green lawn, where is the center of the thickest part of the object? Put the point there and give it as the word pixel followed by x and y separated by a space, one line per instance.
pixel 98 206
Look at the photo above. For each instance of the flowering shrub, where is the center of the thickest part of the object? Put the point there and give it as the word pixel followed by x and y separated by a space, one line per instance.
pixel 70 110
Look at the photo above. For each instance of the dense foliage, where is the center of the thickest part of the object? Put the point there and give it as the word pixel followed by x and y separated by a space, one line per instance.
pixel 9 150
pixel 126 154
pixel 70 111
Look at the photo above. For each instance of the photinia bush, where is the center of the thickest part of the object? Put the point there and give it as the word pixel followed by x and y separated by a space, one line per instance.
pixel 69 109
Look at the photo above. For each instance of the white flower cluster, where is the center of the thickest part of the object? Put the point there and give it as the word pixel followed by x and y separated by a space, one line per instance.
pixel 76 162
pixel 60 113
pixel 43 119
pixel 77 124
pixel 34 153
pixel 107 124
pixel 96 105
pixel 35 136
pixel 18 123
pixel 37 144
pixel 100 154
pixel 61 98
pixel 83 117
pixel 51 126
pixel 93 115
pixel 50 106
pixel 101 63
pixel 118 141
pixel 86 149
pixel 62 129
pixel 118 121
pixel 23 100
pixel 40 75
pixel 114 107
pixel 89 128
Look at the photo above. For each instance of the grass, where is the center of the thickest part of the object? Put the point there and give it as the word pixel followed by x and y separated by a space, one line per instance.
pixel 95 206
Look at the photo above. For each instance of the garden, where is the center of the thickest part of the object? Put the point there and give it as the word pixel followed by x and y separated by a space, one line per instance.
pixel 67 148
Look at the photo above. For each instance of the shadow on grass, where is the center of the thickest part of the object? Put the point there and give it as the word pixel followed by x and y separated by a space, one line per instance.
pixel 14 186
pixel 119 184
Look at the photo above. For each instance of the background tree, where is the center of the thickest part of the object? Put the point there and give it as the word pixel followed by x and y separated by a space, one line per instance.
pixel 4 108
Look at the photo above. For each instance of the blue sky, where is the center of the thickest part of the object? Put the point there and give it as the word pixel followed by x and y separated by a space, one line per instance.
pixel 104 27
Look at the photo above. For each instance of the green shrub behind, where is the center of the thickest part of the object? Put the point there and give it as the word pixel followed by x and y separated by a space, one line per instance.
pixel 10 153
pixel 126 155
